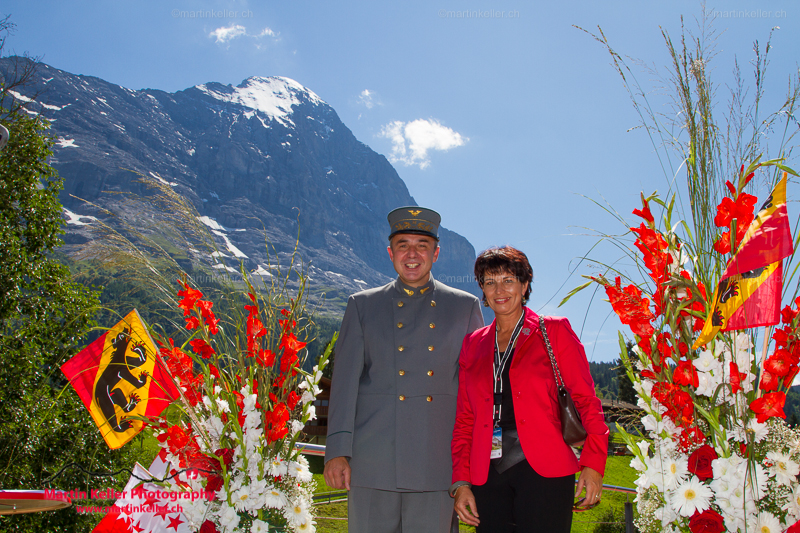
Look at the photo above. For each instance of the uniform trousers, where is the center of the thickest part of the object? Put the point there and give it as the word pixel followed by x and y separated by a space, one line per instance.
pixel 521 501
pixel 386 511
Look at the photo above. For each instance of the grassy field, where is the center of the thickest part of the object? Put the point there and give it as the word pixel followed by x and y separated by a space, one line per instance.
pixel 618 472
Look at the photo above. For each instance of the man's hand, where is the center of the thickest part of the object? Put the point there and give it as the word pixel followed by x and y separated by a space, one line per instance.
pixel 337 473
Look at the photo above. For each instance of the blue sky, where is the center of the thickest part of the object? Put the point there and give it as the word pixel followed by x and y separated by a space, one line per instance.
pixel 500 115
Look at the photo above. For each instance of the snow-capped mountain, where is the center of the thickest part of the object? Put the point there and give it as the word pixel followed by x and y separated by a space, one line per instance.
pixel 262 160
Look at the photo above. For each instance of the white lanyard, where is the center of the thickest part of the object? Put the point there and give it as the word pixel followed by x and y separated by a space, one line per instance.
pixel 500 360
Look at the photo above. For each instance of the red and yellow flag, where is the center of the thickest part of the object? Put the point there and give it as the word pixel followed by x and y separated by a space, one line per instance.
pixel 768 238
pixel 749 292
pixel 119 379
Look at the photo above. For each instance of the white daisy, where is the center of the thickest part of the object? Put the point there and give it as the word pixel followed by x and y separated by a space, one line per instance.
pixel 302 473
pixel 674 471
pixel 767 523
pixel 690 496
pixel 783 468
pixel 306 525
pixel 259 527
pixel 275 498
pixel 277 467
pixel 240 498
pixel 297 513
pixel 793 503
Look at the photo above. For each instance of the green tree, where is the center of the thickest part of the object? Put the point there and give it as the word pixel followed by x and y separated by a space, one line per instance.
pixel 626 391
pixel 44 319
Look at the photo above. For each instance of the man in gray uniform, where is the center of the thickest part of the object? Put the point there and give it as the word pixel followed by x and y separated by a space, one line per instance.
pixel 394 388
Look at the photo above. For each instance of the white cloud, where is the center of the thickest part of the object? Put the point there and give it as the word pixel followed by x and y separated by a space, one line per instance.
pixel 411 141
pixel 228 33
pixel 225 34
pixel 366 98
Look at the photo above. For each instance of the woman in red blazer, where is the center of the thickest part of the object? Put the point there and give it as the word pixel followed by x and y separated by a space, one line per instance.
pixel 506 381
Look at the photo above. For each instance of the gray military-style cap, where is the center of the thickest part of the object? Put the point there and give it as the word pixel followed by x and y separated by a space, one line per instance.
pixel 414 219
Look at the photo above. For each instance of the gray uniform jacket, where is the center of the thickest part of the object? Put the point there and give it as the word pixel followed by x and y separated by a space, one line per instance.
pixel 395 382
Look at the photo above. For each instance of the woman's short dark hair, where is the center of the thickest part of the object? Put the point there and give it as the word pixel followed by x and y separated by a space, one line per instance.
pixel 503 259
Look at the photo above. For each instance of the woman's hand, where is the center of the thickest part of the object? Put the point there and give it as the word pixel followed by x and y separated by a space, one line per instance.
pixel 592 481
pixel 465 506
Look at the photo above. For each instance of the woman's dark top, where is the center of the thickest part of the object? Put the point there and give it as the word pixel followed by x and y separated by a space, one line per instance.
pixel 512 450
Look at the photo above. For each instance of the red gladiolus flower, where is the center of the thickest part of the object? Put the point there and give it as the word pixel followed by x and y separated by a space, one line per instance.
pixel 795 528
pixel 781 338
pixel 723 244
pixel 631 308
pixel 789 378
pixel 202 348
pixel 741 210
pixel 265 358
pixel 292 400
pixel 779 363
pixel 644 212
pixel 769 381
pixel 275 427
pixel 769 405
pixel 700 462
pixel 190 297
pixel 290 344
pixel 788 314
pixel 709 521
pixel 685 374
pixel 690 437
pixel 192 323
pixel 736 378
pixel 653 247
pixel 215 372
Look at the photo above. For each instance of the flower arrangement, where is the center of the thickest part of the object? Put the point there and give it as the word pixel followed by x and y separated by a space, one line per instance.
pixel 244 401
pixel 716 455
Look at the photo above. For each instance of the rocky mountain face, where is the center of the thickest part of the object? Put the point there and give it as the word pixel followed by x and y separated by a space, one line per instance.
pixel 267 160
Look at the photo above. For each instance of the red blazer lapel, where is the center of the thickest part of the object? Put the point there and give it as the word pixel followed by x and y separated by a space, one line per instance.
pixel 530 330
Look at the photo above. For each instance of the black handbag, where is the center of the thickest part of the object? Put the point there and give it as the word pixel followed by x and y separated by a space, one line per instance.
pixel 571 426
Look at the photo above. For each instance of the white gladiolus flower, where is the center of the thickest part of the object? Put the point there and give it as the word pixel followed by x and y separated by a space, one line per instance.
pixel 755 479
pixel 306 397
pixel 311 411
pixel 690 496
pixel 228 517
pixel 297 427
pixel 707 362
pixel 783 468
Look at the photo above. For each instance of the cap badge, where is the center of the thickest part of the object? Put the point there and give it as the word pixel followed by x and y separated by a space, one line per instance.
pixel 415 212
